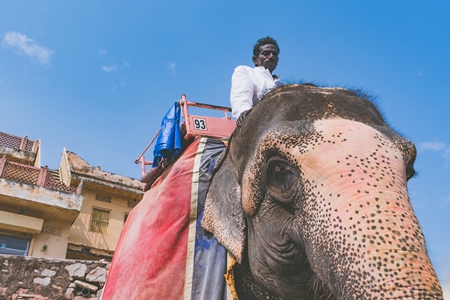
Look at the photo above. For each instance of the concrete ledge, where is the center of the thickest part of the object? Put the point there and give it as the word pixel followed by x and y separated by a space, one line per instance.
pixel 47 203
pixel 20 223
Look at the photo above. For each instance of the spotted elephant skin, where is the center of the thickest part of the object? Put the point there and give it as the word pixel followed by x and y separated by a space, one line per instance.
pixel 311 199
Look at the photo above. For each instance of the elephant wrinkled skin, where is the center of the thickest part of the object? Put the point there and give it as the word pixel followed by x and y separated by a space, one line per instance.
pixel 311 198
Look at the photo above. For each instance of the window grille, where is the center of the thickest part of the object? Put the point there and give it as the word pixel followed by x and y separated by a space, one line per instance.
pixel 51 230
pixel 99 220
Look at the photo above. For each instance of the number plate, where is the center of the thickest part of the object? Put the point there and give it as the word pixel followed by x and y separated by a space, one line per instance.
pixel 199 124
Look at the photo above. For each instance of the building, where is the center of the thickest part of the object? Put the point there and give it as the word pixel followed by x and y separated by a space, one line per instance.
pixel 107 200
pixel 77 211
pixel 36 210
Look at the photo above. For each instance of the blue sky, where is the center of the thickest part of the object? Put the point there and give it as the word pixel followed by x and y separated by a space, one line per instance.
pixel 96 77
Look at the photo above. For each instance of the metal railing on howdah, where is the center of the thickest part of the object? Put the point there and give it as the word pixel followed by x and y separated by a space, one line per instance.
pixel 197 126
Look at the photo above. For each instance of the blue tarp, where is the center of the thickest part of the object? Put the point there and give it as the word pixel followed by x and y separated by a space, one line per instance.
pixel 168 142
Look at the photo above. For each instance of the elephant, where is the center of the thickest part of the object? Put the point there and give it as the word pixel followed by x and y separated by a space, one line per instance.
pixel 311 199
pixel 308 199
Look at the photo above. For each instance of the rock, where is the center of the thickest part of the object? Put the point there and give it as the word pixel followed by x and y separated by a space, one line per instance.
pixel 77 270
pixel 31 278
pixel 96 275
pixel 22 291
pixel 48 273
pixel 69 293
pixel 86 285
pixel 29 296
pixel 43 281
pixel 99 293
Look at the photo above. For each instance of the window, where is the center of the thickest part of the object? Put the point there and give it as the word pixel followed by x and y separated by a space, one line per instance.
pixel 103 198
pixel 99 220
pixel 12 245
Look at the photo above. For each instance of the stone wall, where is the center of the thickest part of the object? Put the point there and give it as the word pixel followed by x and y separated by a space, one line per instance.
pixel 34 278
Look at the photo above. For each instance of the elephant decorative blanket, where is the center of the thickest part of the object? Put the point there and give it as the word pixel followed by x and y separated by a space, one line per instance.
pixel 163 253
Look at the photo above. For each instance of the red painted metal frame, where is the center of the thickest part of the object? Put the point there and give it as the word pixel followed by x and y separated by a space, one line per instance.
pixel 197 126
pixel 206 126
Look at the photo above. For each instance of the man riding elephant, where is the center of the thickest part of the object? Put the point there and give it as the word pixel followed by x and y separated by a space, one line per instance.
pixel 249 85
pixel 310 199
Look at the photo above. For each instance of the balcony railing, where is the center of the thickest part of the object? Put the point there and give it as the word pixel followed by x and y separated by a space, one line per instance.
pixel 16 142
pixel 32 175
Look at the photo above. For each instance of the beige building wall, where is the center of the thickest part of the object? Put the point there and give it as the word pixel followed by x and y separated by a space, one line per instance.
pixel 107 199
pixel 52 241
pixel 48 237
pixel 118 207
pixel 64 168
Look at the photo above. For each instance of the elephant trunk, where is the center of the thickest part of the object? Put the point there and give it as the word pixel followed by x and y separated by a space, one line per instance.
pixel 380 252
pixel 370 243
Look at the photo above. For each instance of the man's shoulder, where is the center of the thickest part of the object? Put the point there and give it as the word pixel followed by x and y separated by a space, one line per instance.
pixel 243 68
pixel 244 71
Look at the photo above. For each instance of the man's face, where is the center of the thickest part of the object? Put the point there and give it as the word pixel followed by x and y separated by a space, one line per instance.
pixel 267 57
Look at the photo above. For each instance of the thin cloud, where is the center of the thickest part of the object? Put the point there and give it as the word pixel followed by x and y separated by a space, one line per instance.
pixel 172 70
pixel 446 154
pixel 438 147
pixel 434 146
pixel 421 73
pixel 102 52
pixel 26 46
pixel 109 69
pixel 446 201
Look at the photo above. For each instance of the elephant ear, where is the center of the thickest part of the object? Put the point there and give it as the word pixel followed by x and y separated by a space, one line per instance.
pixel 223 215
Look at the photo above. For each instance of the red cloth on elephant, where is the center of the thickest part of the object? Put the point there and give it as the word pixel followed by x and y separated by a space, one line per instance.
pixel 162 252
pixel 160 260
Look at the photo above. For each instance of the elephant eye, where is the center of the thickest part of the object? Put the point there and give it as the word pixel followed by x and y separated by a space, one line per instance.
pixel 282 179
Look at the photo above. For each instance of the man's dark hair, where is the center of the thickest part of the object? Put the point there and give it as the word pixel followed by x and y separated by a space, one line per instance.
pixel 262 42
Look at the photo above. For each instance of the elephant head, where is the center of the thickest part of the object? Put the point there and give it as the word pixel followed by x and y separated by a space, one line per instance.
pixel 311 198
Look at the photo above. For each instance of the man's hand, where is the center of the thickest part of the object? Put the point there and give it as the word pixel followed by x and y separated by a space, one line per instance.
pixel 241 117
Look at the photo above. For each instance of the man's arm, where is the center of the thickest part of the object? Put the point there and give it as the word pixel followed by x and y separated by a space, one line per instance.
pixel 241 95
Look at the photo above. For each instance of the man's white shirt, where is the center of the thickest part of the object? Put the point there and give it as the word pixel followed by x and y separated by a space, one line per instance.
pixel 248 86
